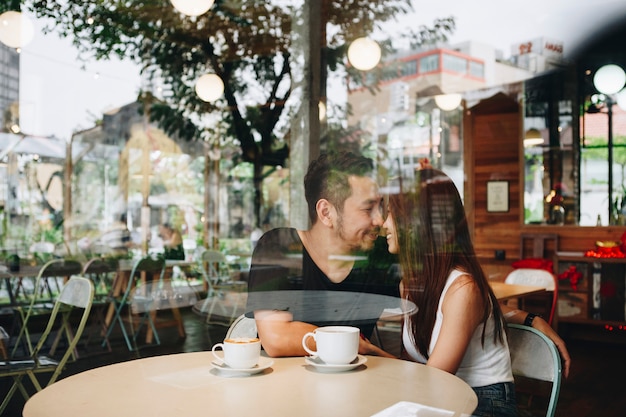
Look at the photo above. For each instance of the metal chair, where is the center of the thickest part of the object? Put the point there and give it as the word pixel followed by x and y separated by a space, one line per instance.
pixel 102 273
pixel 76 293
pixel 539 278
pixel 40 302
pixel 534 358
pixel 242 327
pixel 135 298
pixel 222 288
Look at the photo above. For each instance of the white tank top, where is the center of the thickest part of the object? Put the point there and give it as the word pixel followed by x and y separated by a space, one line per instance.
pixel 480 366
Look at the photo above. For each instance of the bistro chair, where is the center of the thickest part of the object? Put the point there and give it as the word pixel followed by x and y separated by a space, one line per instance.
pixel 39 302
pixel 78 292
pixel 136 298
pixel 242 327
pixel 544 304
pixel 102 273
pixel 224 293
pixel 4 337
pixel 536 365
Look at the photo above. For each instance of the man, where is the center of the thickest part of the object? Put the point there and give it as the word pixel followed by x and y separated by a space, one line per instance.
pixel 345 210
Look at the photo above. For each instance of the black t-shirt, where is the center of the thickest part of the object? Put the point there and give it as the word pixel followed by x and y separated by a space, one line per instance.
pixel 281 263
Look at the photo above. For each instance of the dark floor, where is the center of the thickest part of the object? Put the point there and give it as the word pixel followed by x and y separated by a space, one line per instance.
pixel 595 387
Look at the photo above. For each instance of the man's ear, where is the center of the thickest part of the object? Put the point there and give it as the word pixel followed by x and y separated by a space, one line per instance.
pixel 325 211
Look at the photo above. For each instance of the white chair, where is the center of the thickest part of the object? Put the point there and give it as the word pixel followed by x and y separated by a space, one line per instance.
pixel 76 293
pixel 242 327
pixel 223 292
pixel 535 358
pixel 538 278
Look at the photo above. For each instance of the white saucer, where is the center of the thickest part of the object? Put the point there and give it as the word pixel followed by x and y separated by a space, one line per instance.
pixel 326 367
pixel 263 364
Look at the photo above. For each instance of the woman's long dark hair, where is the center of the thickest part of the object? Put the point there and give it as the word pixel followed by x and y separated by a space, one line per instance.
pixel 434 239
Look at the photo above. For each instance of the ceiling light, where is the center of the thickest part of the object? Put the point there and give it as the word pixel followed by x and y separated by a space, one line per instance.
pixel 209 87
pixel 16 29
pixel 448 102
pixel 192 7
pixel 364 54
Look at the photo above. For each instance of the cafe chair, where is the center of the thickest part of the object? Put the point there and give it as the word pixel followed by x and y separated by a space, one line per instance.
pixel 242 326
pixel 102 273
pixel 137 298
pixel 40 301
pixel 224 294
pixel 544 304
pixel 4 337
pixel 536 366
pixel 77 293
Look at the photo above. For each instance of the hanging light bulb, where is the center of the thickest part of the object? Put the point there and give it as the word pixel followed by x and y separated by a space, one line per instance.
pixel 364 54
pixel 192 7
pixel 609 79
pixel 209 87
pixel 16 29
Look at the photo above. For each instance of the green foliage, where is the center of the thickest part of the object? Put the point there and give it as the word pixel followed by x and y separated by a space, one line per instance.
pixel 247 44
pixel 7 5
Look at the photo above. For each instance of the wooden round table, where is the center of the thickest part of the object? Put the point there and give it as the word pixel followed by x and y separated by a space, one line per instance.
pixel 188 385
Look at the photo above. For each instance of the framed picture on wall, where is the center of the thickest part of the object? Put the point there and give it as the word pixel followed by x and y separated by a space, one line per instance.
pixel 497 196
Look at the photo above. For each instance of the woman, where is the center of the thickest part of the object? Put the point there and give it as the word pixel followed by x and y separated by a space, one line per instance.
pixel 459 326
pixel 172 242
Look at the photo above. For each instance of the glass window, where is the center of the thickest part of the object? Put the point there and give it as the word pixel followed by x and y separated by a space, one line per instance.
pixel 454 63
pixel 429 63
pixel 409 68
pixel 476 69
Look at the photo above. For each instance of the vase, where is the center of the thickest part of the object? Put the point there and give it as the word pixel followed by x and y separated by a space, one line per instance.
pixel 557 215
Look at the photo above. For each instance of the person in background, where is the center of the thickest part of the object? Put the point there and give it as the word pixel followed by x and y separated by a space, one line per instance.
pixel 459 326
pixel 118 238
pixel 172 242
pixel 345 213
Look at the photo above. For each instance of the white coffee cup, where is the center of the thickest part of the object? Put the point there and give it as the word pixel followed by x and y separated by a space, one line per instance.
pixel 336 345
pixel 239 352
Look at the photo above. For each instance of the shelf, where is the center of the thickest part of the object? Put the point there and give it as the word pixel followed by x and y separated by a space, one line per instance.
pixel 600 291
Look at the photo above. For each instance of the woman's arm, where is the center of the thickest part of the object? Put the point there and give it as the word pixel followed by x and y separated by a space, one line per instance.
pixel 518 317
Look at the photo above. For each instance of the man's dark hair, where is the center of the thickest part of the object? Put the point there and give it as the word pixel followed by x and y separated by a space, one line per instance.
pixel 327 177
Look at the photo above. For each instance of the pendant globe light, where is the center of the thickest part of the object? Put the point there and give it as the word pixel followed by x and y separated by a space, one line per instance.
pixel 609 79
pixel 447 102
pixel 16 29
pixel 364 54
pixel 209 87
pixel 192 7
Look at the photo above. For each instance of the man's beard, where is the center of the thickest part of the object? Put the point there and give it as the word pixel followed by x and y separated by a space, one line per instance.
pixel 363 244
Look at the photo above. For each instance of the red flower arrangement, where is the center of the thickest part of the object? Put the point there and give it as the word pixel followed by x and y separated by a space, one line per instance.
pixel 572 275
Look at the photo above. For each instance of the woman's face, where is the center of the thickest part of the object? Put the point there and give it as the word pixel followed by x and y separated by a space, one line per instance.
pixel 392 237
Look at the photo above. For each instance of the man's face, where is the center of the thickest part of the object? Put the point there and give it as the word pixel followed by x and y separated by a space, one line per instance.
pixel 358 224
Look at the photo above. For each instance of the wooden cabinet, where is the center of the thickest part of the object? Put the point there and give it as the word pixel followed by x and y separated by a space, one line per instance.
pixel 598 297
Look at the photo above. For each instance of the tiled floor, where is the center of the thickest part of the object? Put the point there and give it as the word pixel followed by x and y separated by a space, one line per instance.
pixel 595 387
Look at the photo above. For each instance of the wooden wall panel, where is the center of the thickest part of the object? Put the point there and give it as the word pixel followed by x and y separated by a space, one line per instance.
pixel 493 151
pixel 495 143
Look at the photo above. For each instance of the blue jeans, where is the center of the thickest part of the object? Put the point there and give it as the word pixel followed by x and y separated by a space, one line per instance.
pixel 497 400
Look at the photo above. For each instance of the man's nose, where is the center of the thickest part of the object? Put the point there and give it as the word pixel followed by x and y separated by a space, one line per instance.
pixel 377 218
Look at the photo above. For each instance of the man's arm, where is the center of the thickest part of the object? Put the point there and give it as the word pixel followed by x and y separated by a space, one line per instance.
pixel 281 336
